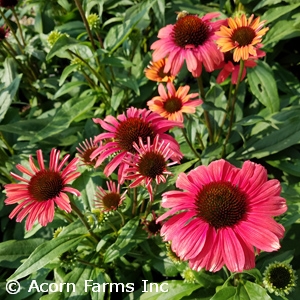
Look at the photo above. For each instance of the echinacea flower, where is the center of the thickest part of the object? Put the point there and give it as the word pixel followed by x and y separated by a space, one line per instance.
pixel 279 278
pixel 8 3
pixel 45 188
pixel 155 71
pixel 3 33
pixel 191 39
pixel 85 150
pixel 151 226
pixel 229 66
pixel 126 129
pixel 172 104
pixel 241 36
pixel 224 216
pixel 149 164
pixel 109 200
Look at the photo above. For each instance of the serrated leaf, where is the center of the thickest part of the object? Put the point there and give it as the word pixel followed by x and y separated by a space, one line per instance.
pixel 45 253
pixel 263 86
pixel 124 241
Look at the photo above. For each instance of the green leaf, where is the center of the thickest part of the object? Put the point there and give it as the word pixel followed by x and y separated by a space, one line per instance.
pixel 116 97
pixel 119 62
pixel 282 30
pixel 275 13
pixel 118 34
pixel 227 293
pixel 264 3
pixel 253 291
pixel 45 253
pixel 263 86
pixel 7 94
pixel 12 252
pixel 272 140
pixel 87 184
pixel 124 241
pixel 69 111
pixel 66 88
pixel 78 277
pixel 167 290
pixel 98 276
pixel 66 72
pixel 62 44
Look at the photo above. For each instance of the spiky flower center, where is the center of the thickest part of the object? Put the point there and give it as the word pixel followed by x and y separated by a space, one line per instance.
pixel 280 277
pixel 221 204
pixel 85 156
pixel 152 164
pixel 129 132
pixel 111 200
pixel 153 227
pixel 243 36
pixel 172 105
pixel 45 185
pixel 8 3
pixel 190 31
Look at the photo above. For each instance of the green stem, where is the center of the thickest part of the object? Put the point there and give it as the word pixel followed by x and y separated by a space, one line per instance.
pixel 10 50
pixel 19 25
pixel 227 110
pixel 122 217
pixel 10 149
pixel 134 204
pixel 232 107
pixel 84 222
pixel 86 24
pixel 190 144
pixel 84 262
pixel 206 115
pixel 97 74
pixel 11 30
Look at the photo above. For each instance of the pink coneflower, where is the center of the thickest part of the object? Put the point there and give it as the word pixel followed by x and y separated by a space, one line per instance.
pixel 155 71
pixel 85 150
pixel 241 36
pixel 149 164
pixel 150 226
pixel 172 104
pixel 229 66
pixel 190 39
pixel 126 129
pixel 225 216
pixel 111 199
pixel 46 187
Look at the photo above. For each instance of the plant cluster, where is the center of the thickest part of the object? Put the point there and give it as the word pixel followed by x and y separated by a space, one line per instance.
pixel 149 149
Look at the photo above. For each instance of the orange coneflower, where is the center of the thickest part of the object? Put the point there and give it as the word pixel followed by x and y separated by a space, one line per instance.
pixel 155 71
pixel 172 104
pixel 241 37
